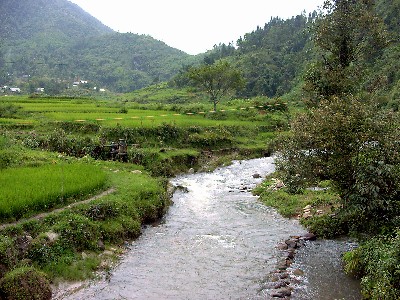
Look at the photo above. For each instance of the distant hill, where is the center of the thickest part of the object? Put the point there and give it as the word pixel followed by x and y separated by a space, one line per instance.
pixel 272 58
pixel 275 57
pixel 46 41
pixel 23 20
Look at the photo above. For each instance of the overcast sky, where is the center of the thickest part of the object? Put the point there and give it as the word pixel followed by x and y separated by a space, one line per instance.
pixel 191 25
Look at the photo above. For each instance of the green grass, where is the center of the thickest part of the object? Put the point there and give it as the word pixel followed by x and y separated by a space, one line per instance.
pixel 110 113
pixel 28 190
pixel 113 219
pixel 145 118
pixel 291 205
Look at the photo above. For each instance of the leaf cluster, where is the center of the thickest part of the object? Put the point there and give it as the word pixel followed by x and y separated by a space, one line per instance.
pixel 354 144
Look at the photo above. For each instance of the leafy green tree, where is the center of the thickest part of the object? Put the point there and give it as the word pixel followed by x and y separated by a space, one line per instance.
pixel 354 144
pixel 216 80
pixel 349 37
pixel 347 139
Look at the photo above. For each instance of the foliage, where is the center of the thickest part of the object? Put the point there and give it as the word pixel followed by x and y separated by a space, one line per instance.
pixel 354 144
pixel 78 232
pixel 8 254
pixel 349 38
pixel 273 57
pixel 25 283
pixel 9 111
pixel 210 139
pixel 216 79
pixel 377 262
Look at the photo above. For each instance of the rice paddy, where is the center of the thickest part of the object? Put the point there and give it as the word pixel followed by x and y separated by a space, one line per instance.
pixel 29 190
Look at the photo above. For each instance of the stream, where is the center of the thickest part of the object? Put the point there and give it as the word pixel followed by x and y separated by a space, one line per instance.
pixel 217 241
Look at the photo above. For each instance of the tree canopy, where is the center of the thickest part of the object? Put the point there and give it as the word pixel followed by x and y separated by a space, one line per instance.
pixel 347 137
pixel 216 80
pixel 349 38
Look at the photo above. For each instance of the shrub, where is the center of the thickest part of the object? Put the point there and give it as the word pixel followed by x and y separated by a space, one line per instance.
pixel 118 230
pixel 9 111
pixel 78 232
pixel 25 283
pixel 102 211
pixel 44 251
pixel 377 262
pixel 326 226
pixel 8 254
pixel 210 139
pixel 355 144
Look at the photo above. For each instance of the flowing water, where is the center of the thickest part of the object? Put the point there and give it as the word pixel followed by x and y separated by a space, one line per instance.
pixel 217 241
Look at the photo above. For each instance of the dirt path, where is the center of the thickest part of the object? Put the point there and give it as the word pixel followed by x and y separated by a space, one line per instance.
pixel 45 214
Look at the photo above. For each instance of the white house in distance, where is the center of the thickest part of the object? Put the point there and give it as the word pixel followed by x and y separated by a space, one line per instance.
pixel 15 90
pixel 78 82
pixel 5 89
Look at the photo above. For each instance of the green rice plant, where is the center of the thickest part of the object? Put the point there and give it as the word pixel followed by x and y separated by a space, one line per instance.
pixel 25 191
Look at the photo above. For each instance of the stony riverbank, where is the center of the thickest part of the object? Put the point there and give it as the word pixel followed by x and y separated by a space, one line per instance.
pixel 281 280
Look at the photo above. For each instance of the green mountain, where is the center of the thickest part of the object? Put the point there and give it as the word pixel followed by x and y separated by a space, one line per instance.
pixel 275 58
pixel 272 58
pixel 47 42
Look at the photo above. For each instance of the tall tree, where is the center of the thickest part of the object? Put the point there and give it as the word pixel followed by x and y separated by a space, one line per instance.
pixel 346 137
pixel 348 37
pixel 216 80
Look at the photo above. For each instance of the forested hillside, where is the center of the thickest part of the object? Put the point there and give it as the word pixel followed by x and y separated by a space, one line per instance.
pixel 49 42
pixel 272 58
pixel 277 58
pixel 53 43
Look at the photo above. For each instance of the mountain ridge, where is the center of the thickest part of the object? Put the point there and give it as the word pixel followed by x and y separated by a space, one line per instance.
pixel 47 40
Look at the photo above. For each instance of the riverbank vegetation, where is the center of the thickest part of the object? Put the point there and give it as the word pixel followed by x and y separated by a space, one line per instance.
pixel 75 204
pixel 81 236
pixel 321 91
pixel 347 135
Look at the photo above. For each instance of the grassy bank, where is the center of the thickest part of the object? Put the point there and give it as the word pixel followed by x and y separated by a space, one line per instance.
pixel 70 244
pixel 377 259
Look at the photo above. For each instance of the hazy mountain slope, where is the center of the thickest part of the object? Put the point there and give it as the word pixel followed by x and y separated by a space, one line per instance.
pixel 57 40
pixel 61 19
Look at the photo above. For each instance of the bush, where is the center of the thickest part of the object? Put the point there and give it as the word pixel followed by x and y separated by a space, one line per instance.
pixel 25 283
pixel 60 141
pixel 377 262
pixel 9 111
pixel 44 251
pixel 326 226
pixel 210 139
pixel 118 230
pixel 354 144
pixel 8 254
pixel 78 232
